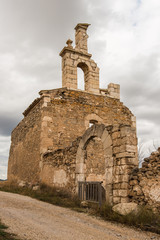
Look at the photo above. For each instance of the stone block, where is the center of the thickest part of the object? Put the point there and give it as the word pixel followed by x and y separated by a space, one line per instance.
pixel 109 191
pixel 131 148
pixel 126 131
pixel 109 175
pixel 124 200
pixel 121 178
pixel 107 142
pixel 79 168
pixel 129 161
pixel 116 150
pixel 124 185
pixel 123 193
pixel 104 136
pixel 125 208
pixel 116 200
pixel 116 135
pixel 120 170
pixel 133 182
pixel 109 162
pixel 138 190
pixel 47 119
pixel 125 154
pixel 120 193
pixel 108 152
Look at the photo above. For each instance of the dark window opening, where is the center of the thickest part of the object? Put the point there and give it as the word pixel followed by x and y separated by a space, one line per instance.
pixel 92 122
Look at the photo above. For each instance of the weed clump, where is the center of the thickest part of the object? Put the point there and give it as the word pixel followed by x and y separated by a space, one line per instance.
pixel 144 218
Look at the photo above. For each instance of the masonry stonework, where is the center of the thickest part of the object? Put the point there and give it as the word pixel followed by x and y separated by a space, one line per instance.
pixel 145 182
pixel 69 135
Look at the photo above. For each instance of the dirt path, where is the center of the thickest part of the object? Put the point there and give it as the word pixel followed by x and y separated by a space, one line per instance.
pixel 34 220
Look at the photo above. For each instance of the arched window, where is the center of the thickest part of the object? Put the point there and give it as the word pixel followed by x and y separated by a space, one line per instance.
pixel 82 76
pixel 92 122
pixel 91 119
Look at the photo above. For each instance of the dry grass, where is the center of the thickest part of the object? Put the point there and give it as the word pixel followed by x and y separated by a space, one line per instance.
pixel 59 197
pixel 144 219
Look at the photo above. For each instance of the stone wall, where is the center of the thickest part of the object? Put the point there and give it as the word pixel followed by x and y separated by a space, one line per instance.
pixel 59 167
pixel 55 120
pixel 106 154
pixel 24 155
pixel 125 159
pixel 50 128
pixel 67 115
pixel 95 160
pixel 145 182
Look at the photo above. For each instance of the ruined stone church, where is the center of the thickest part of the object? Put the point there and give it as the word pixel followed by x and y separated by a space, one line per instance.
pixel 70 136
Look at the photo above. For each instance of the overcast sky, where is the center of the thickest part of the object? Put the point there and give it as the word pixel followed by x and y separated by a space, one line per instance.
pixel 124 41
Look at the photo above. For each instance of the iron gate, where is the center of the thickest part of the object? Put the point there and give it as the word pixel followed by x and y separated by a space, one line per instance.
pixel 90 191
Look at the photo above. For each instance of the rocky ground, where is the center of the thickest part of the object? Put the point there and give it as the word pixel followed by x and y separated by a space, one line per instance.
pixel 35 220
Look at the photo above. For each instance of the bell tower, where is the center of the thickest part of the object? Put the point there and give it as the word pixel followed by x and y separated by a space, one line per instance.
pixel 79 57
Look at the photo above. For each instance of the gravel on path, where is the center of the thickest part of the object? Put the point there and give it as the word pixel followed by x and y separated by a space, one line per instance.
pixel 35 220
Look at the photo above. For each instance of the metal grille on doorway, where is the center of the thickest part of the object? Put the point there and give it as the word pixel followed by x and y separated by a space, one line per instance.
pixel 90 191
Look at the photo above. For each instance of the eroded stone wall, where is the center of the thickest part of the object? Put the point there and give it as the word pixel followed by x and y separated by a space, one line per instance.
pixel 24 156
pixel 55 122
pixel 67 111
pixel 145 182
pixel 59 167
pixel 101 154
pixel 95 160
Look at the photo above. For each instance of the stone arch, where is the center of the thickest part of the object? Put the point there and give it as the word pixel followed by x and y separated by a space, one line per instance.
pixel 100 131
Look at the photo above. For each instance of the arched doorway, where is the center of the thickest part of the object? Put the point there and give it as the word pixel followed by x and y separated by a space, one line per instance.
pixel 94 160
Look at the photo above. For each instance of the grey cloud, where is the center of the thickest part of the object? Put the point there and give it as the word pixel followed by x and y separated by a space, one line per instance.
pixel 3 161
pixel 3 172
pixel 7 123
pixel 44 65
pixel 151 114
pixel 41 22
pixel 144 130
pixel 140 86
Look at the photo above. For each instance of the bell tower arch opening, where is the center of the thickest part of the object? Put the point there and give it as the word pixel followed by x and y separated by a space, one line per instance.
pixel 82 76
pixel 80 79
